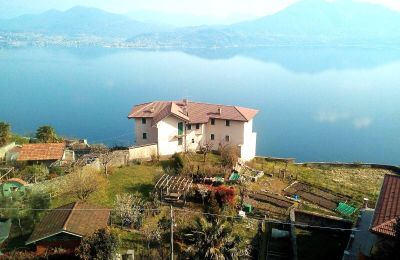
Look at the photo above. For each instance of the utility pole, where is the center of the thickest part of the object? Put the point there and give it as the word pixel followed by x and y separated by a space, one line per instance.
pixel 172 234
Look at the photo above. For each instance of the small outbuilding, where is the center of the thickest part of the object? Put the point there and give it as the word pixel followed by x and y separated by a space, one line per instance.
pixel 11 186
pixel 64 227
pixel 46 153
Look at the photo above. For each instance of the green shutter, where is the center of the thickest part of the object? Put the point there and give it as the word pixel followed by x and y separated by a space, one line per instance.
pixel 180 128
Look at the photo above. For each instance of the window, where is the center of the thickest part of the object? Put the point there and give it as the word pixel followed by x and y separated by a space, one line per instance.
pixel 180 141
pixel 143 120
pixel 189 127
pixel 227 123
pixel 227 138
pixel 144 135
pixel 192 141
pixel 212 136
pixel 212 121
pixel 197 126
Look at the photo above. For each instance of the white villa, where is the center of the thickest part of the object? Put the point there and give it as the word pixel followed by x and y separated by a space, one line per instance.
pixel 167 127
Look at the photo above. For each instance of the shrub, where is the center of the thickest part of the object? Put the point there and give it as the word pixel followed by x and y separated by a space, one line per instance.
pixel 102 245
pixel 35 173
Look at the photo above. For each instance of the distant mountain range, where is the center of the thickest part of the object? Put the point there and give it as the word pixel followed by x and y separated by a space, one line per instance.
pixel 307 22
pixel 79 21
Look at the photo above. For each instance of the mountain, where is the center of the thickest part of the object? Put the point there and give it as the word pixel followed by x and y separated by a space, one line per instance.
pixel 77 21
pixel 184 20
pixel 306 22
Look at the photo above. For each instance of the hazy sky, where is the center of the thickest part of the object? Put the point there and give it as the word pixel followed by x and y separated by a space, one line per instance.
pixel 214 8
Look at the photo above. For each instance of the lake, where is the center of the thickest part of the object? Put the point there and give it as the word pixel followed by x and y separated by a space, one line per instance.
pixel 316 104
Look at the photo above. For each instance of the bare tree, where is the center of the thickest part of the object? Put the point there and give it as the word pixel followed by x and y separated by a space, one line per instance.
pixel 230 155
pixel 105 156
pixel 206 148
pixel 83 182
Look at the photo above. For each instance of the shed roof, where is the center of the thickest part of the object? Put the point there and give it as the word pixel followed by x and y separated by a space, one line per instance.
pixel 41 152
pixel 387 209
pixel 18 180
pixel 78 218
pixel 193 112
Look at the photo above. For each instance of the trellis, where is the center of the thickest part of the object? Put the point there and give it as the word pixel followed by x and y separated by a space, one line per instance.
pixel 173 188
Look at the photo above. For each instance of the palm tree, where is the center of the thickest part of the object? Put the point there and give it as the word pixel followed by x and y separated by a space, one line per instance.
pixel 212 240
pixel 46 134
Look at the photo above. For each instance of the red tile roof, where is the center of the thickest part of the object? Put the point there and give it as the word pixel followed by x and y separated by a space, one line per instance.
pixel 192 112
pixel 388 207
pixel 79 218
pixel 41 152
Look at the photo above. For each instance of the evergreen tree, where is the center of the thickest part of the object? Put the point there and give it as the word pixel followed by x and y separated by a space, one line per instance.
pixel 5 133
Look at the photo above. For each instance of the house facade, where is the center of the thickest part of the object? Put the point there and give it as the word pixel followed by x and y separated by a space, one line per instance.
pixel 179 126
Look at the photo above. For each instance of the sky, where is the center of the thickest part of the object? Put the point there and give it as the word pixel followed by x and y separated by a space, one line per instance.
pixel 211 8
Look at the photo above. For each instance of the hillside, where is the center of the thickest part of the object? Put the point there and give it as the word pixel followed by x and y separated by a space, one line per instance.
pixel 306 22
pixel 78 21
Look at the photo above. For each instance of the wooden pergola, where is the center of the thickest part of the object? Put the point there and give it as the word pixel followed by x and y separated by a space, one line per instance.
pixel 173 188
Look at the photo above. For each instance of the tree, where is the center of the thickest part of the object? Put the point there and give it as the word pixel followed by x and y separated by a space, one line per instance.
pixel 105 155
pixel 206 148
pixel 5 133
pixel 102 245
pixel 46 134
pixel 83 182
pixel 230 156
pixel 35 173
pixel 212 240
pixel 152 234
pixel 129 209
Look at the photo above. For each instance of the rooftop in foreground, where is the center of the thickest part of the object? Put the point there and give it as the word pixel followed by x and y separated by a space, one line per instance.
pixel 388 207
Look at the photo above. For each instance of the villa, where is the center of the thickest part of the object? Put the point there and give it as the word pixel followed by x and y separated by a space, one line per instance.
pixel 168 127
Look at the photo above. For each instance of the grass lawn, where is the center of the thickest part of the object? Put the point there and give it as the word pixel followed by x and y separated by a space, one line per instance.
pixel 130 179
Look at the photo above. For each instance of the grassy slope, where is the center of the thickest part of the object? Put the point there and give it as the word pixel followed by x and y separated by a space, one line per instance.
pixel 131 179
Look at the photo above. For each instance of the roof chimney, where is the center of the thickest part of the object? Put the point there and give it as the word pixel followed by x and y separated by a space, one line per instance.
pixel 219 110
pixel 365 203
pixel 185 102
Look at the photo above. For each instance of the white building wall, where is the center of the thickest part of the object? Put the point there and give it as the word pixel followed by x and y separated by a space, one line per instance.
pixel 248 149
pixel 220 130
pixel 165 135
pixel 195 135
pixel 145 128
pixel 168 136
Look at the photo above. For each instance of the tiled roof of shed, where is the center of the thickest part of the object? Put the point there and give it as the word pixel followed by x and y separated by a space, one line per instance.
pixel 388 207
pixel 78 218
pixel 41 152
pixel 193 112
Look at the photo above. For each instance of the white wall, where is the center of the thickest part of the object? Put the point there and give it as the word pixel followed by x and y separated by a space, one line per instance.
pixel 197 135
pixel 5 149
pixel 167 136
pixel 144 152
pixel 248 149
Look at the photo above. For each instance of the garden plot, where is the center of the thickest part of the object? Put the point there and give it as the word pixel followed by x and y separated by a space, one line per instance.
pixel 324 198
pixel 268 204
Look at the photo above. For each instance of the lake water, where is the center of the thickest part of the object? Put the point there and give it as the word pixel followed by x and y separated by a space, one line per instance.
pixel 316 104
